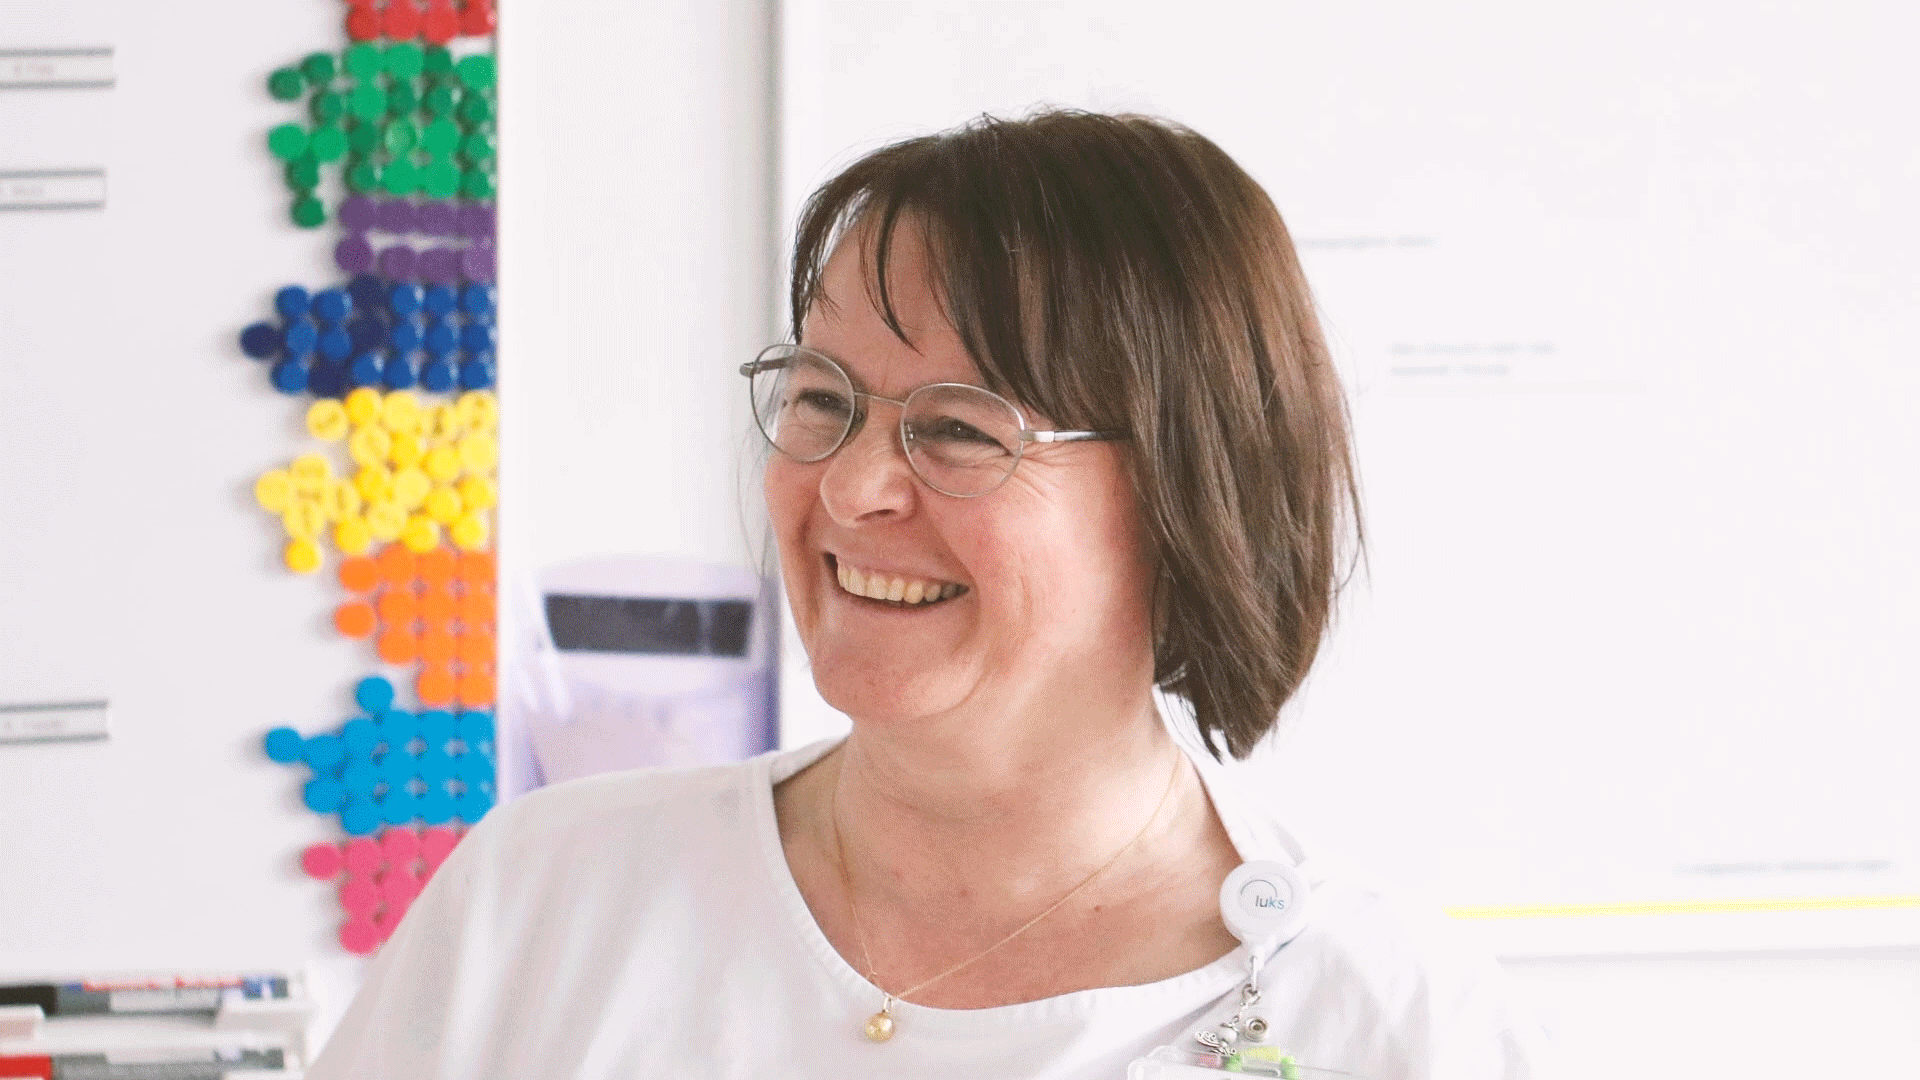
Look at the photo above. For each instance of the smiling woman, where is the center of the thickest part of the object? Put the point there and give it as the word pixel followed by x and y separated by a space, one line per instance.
pixel 1056 428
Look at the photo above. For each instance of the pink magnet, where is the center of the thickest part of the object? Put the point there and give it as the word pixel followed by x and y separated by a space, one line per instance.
pixel 388 920
pixel 354 255
pixel 363 856
pixel 359 936
pixel 435 843
pixel 399 886
pixel 400 845
pixel 321 861
pixel 359 895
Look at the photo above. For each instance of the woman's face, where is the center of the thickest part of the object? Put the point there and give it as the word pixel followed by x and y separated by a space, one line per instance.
pixel 1051 570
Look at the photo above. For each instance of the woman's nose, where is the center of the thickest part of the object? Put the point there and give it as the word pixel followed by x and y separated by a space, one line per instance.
pixel 868 478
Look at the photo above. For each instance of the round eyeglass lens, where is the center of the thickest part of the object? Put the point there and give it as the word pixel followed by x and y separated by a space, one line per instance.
pixel 802 403
pixel 961 439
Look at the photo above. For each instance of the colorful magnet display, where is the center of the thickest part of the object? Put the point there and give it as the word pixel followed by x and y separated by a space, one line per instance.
pixel 398 362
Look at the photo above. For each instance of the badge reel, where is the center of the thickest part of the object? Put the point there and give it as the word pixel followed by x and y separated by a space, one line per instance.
pixel 1264 904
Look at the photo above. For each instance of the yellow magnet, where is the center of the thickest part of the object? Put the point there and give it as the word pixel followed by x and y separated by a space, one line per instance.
pixel 478 493
pixel 370 445
pixel 273 491
pixel 407 449
pixel 342 500
pixel 443 505
pixel 478 452
pixel 443 463
pixel 410 487
pixel 310 474
pixel 421 534
pixel 375 482
pixel 304 519
pixel 446 422
pixel 479 410
pixel 470 532
pixel 364 406
pixel 302 556
pixel 327 419
pixel 401 412
pixel 353 536
pixel 385 519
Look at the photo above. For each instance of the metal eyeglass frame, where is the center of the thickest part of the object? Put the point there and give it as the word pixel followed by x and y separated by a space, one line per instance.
pixel 1027 435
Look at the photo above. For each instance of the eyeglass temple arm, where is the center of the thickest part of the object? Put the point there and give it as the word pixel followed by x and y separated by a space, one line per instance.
pixel 1067 436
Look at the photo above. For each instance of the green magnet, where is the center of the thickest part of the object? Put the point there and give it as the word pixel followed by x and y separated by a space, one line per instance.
pixel 476 109
pixel 400 177
pixel 309 213
pixel 400 137
pixel 318 68
pixel 364 138
pixel 403 60
pixel 440 179
pixel 441 137
pixel 363 176
pixel 436 61
pixel 477 147
pixel 475 72
pixel 286 84
pixel 288 141
pixel 303 174
pixel 368 102
pixel 439 101
pixel 364 61
pixel 402 98
pixel 476 184
pixel 329 143
pixel 328 107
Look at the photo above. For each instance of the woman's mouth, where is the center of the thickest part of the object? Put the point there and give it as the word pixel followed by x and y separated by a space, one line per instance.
pixel 895 589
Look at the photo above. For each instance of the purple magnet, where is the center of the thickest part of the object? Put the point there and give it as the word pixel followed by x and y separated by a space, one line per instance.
pixel 397 263
pixel 357 213
pixel 434 218
pixel 477 263
pixel 395 216
pixel 354 254
pixel 440 265
pixel 476 220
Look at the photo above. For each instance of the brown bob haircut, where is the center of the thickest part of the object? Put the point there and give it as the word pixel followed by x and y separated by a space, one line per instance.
pixel 1122 273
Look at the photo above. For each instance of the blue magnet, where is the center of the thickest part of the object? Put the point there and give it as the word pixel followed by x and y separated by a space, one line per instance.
pixel 475 727
pixel 299 337
pixel 285 745
pixel 476 338
pixel 398 808
pixel 436 807
pixel 399 373
pixel 368 292
pixel 324 796
pixel 327 378
pixel 291 302
pixel 367 330
pixel 476 373
pixel 397 767
pixel 440 338
pixel 473 769
pixel 404 299
pixel 473 806
pixel 335 343
pixel 436 767
pixel 360 816
pixel 438 375
pixel 290 376
pixel 332 306
pixel 437 727
pixel 324 752
pixel 440 300
pixel 398 728
pixel 476 299
pixel 374 694
pixel 360 736
pixel 404 335
pixel 362 778
pixel 260 341
pixel 365 370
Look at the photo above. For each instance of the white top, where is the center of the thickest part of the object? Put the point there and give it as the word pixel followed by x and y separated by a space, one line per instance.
pixel 645 924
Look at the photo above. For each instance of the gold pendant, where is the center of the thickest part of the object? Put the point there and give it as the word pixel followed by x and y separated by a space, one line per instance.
pixel 880 1024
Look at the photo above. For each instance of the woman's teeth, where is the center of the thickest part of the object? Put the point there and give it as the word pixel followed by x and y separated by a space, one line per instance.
pixel 896 589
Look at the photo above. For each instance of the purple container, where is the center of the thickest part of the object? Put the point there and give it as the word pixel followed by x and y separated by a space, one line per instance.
pixel 398 263
pixel 440 265
pixel 357 213
pixel 477 262
pixel 434 218
pixel 354 254
pixel 396 216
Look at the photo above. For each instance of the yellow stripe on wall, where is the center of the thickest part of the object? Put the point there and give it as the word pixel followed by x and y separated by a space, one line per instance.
pixel 1682 907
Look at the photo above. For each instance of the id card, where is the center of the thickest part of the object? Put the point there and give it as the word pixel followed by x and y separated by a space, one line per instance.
pixel 1168 1063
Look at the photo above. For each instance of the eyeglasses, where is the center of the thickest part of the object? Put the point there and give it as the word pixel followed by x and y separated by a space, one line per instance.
pixel 961 440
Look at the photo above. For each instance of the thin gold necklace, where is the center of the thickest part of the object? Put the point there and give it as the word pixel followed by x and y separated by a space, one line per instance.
pixel 879 1026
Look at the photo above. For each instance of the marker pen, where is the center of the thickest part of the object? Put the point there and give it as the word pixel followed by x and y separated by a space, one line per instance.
pixel 143 1065
pixel 104 997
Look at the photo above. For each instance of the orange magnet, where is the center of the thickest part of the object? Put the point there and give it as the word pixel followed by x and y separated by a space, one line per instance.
pixel 359 575
pixel 436 567
pixel 354 619
pixel 397 608
pixel 476 689
pixel 436 647
pixel 396 566
pixel 398 645
pixel 436 607
pixel 476 568
pixel 434 686
pixel 475 648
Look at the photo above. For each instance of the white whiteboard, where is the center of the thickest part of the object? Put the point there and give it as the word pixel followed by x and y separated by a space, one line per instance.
pixel 1624 297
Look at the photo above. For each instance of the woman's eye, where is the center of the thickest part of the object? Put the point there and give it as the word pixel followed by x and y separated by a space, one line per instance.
pixel 821 401
pixel 949 429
